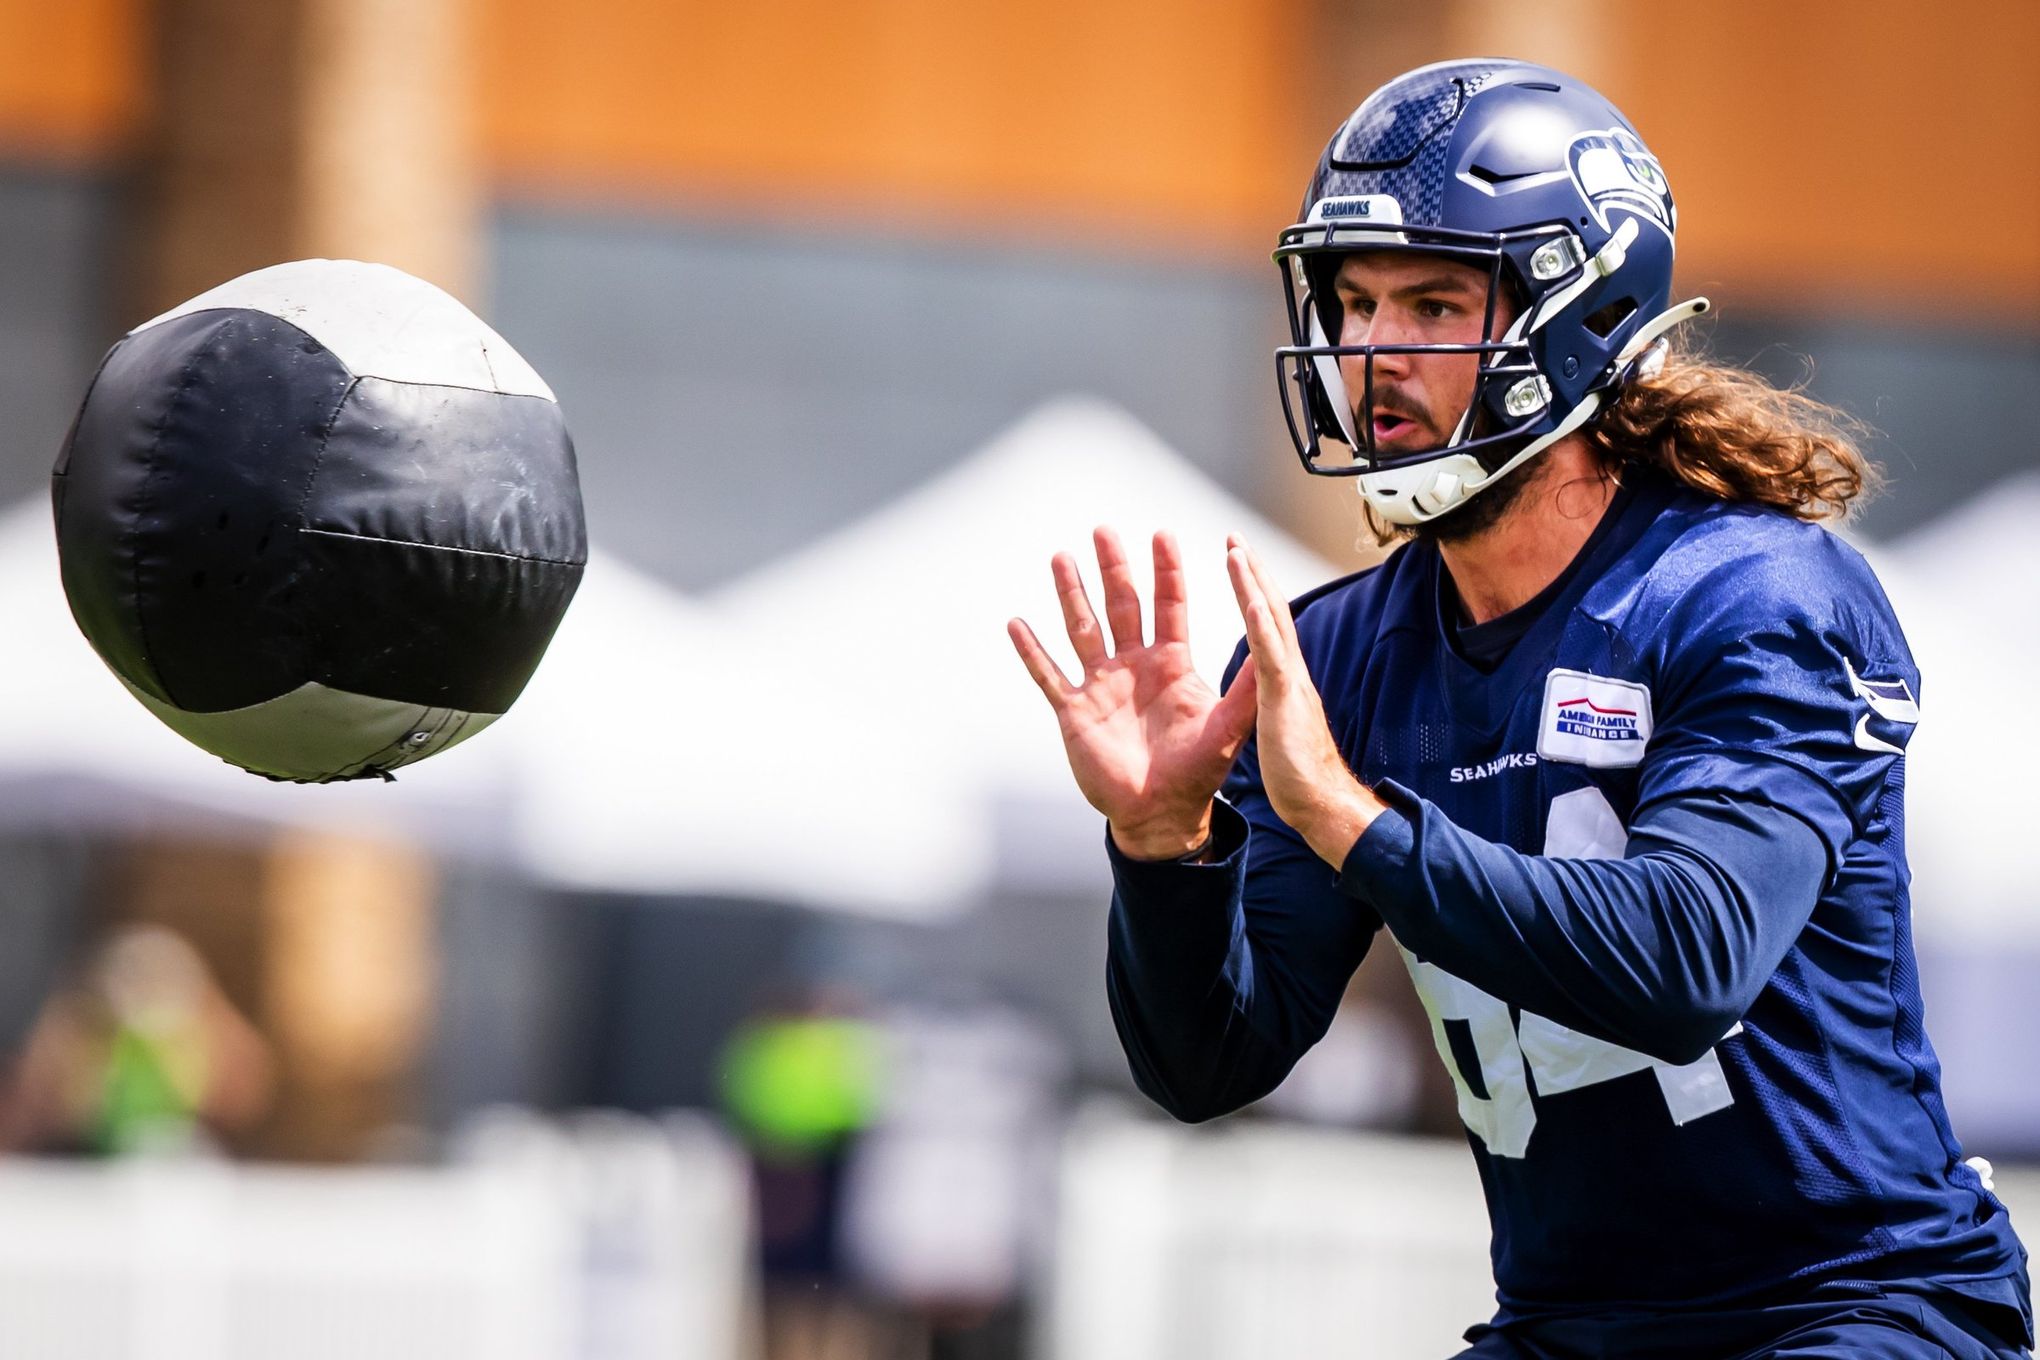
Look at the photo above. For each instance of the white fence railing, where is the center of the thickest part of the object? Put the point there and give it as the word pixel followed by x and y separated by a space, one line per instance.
pixel 615 1240
pixel 619 1239
pixel 1265 1241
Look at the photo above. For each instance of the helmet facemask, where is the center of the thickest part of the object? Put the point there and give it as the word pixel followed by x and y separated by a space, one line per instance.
pixel 1509 415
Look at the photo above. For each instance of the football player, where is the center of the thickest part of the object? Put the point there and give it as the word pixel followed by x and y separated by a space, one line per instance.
pixel 1612 746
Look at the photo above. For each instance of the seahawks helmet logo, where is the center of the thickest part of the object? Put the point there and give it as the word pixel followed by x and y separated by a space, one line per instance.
pixel 1613 170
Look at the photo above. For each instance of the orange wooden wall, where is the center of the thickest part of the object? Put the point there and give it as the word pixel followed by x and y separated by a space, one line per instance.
pixel 1856 154
pixel 70 74
pixel 1868 155
pixel 1131 116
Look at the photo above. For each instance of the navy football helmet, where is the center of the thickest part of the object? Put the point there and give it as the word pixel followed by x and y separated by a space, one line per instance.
pixel 1528 174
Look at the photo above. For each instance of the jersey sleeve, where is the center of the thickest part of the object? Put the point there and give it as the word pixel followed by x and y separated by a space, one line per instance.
pixel 1789 685
pixel 1221 975
pixel 1661 951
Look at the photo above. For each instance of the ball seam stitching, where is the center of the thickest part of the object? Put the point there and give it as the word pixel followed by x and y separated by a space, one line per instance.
pixel 153 466
pixel 445 547
pixel 297 570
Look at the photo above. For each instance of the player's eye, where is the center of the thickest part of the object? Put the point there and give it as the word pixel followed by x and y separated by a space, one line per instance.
pixel 1356 319
pixel 1436 309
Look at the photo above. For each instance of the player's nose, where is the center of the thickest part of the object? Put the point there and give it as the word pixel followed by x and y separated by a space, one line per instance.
pixel 1392 325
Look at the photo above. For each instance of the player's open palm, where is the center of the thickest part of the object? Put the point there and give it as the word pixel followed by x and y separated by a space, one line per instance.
pixel 1148 740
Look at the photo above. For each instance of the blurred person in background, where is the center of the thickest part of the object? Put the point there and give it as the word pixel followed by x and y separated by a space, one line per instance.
pixel 948 1194
pixel 1612 745
pixel 801 1083
pixel 143 1054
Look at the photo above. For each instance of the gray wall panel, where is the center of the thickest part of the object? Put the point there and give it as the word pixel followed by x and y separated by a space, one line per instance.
pixel 734 393
pixel 56 262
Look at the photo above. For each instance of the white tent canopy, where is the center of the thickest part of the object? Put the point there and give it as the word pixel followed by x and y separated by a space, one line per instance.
pixel 646 755
pixel 905 612
pixel 656 751
pixel 1961 587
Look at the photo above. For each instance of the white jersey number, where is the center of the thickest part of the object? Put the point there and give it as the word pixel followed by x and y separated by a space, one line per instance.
pixel 1513 1055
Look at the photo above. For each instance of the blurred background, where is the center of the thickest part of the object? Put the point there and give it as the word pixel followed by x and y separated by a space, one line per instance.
pixel 740 993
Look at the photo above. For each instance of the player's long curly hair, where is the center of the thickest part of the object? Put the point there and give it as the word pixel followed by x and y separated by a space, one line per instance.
pixel 1734 435
pixel 1727 433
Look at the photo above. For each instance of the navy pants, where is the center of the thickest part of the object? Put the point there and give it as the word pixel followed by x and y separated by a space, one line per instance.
pixel 1891 1326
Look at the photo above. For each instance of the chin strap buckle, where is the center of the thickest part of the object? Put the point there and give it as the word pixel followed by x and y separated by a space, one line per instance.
pixel 1439 494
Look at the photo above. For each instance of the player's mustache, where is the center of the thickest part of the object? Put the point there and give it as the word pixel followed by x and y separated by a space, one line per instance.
pixel 1388 401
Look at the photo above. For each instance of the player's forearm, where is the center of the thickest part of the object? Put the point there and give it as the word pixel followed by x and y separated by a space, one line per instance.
pixel 1217 984
pixel 1662 951
pixel 1179 976
pixel 1192 1054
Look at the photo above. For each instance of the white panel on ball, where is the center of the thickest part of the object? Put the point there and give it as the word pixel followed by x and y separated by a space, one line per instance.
pixel 315 733
pixel 380 322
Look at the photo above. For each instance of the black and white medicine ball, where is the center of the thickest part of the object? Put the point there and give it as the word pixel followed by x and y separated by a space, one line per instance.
pixel 321 520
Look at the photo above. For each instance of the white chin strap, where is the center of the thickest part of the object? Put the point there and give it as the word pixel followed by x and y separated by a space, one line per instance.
pixel 1423 491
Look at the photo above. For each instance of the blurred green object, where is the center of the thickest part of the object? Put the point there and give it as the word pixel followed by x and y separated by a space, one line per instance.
pixel 146 1092
pixel 801 1084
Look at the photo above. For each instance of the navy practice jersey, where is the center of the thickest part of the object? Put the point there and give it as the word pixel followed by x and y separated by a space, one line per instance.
pixel 1648 875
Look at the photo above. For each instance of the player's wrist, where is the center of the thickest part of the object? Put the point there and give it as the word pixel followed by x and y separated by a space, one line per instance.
pixel 1175 838
pixel 1336 822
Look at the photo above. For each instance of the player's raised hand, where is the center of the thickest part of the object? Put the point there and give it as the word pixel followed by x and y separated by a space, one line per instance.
pixel 1148 740
pixel 1306 778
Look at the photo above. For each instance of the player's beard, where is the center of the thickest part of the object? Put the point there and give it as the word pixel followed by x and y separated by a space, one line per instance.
pixel 1482 510
pixel 1479 512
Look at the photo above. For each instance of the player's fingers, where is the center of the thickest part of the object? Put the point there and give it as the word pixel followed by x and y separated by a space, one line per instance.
pixel 1278 603
pixel 1264 638
pixel 1172 594
pixel 1078 619
pixel 1054 687
pixel 1122 597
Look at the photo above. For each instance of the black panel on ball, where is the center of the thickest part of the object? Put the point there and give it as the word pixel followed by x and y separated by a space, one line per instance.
pixel 451 466
pixel 436 627
pixel 178 497
pixel 443 540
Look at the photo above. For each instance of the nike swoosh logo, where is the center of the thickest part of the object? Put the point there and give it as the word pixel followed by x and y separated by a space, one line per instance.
pixel 1866 742
pixel 1900 707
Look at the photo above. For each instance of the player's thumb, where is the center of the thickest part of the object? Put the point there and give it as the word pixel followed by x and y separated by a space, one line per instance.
pixel 1237 706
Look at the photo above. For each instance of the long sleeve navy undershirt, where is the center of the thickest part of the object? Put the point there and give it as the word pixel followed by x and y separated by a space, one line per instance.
pixel 1220 979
